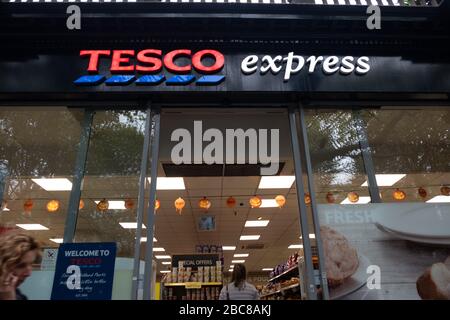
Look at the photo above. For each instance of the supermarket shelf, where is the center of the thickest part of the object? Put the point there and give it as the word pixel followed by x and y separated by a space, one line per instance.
pixel 281 290
pixel 284 273
pixel 191 284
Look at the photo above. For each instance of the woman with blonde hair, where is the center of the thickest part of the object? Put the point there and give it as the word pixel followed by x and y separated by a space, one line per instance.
pixel 17 253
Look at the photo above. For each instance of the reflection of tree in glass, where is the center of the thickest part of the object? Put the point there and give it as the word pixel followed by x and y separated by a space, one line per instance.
pixel 334 147
pixel 116 143
pixel 112 171
pixel 401 141
pixel 409 141
pixel 36 143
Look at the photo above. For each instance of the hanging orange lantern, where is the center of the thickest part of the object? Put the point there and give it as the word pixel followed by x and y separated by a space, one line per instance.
pixel 129 204
pixel 231 202
pixel 353 197
pixel 28 205
pixel 280 200
pixel 330 197
pixel 445 191
pixel 422 193
pixel 103 205
pixel 157 204
pixel 179 204
pixel 307 198
pixel 255 202
pixel 81 205
pixel 204 203
pixel 52 206
pixel 399 194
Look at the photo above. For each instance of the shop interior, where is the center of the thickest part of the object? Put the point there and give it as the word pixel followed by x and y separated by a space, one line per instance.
pixel 230 210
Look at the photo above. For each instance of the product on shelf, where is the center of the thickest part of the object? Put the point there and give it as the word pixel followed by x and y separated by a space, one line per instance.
pixel 200 274
pixel 284 283
pixel 180 275
pixel 291 262
pixel 290 282
pixel 187 274
pixel 174 274
pixel 213 274
pixel 206 274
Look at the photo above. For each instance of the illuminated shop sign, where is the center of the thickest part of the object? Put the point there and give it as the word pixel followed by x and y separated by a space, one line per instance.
pixel 292 64
pixel 149 65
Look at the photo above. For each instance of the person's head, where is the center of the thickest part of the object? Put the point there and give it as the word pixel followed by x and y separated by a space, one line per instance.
pixel 239 274
pixel 17 254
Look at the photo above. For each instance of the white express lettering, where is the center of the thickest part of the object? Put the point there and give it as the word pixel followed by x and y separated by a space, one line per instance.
pixel 330 65
pixel 248 65
pixel 347 65
pixel 271 64
pixel 289 62
pixel 362 65
pixel 293 64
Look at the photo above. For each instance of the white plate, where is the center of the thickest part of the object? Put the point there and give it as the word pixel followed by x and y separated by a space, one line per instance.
pixel 436 241
pixel 353 283
pixel 415 219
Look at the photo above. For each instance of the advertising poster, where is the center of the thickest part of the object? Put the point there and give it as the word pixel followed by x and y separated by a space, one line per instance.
pixel 84 271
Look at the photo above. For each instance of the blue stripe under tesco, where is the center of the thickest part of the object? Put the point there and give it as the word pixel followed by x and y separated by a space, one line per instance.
pixel 91 80
pixel 210 80
pixel 120 80
pixel 177 80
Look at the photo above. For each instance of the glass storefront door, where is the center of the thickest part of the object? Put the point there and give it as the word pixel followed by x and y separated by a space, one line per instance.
pixel 226 188
pixel 110 189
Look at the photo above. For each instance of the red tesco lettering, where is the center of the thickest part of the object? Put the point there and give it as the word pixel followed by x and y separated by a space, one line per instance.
pixel 152 60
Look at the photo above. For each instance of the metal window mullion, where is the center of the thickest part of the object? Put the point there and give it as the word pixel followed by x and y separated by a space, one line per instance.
pixel 310 283
pixel 316 222
pixel 367 157
pixel 141 205
pixel 151 207
pixel 3 177
pixel 80 166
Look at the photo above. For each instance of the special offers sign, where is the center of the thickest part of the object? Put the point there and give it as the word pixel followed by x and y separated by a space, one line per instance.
pixel 84 271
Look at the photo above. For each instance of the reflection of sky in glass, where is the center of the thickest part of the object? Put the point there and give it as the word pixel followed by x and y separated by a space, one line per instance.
pixel 345 166
pixel 136 120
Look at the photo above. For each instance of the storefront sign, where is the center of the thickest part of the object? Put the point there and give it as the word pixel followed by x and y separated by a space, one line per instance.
pixel 84 271
pixel 292 64
pixel 258 72
pixel 151 62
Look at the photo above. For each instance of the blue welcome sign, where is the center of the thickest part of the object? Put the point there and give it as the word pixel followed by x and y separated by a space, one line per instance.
pixel 84 271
